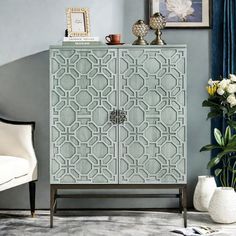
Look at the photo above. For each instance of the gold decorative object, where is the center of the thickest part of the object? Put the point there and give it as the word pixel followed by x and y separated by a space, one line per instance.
pixel 158 22
pixel 140 29
pixel 78 22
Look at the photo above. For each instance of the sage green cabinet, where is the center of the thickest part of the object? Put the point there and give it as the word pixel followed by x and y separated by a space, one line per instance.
pixel 148 84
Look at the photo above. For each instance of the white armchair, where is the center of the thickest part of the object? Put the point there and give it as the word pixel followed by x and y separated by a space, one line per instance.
pixel 18 163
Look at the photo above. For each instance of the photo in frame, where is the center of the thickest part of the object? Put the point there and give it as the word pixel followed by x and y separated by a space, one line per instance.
pixel 78 23
pixel 183 13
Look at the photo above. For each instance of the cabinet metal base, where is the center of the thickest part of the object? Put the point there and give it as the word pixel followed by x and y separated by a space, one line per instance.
pixel 182 195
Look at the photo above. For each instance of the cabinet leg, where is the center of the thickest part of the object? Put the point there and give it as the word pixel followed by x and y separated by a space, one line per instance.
pixel 55 202
pixel 185 205
pixel 52 204
pixel 180 200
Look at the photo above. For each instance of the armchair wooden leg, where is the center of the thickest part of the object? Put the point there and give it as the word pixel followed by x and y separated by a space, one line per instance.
pixel 32 189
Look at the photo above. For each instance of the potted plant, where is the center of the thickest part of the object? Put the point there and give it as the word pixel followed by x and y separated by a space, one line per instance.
pixel 222 101
pixel 224 162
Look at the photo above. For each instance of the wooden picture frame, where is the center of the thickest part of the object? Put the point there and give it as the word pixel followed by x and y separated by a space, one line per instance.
pixel 195 16
pixel 78 22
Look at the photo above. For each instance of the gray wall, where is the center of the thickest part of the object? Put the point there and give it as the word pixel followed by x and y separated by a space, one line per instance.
pixel 29 26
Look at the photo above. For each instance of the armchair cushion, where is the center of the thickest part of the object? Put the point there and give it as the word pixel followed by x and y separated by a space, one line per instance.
pixel 12 167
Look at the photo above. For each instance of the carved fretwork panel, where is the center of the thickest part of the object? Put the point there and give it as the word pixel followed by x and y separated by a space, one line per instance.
pixel 153 93
pixel 83 93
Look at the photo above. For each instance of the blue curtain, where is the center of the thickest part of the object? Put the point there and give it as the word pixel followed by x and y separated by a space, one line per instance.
pixel 223 47
pixel 223 38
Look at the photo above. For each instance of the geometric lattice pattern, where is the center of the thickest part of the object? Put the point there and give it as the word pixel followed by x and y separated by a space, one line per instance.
pixel 153 140
pixel 149 83
pixel 83 93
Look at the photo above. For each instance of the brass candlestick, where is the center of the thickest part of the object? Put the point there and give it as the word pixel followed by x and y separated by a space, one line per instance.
pixel 158 22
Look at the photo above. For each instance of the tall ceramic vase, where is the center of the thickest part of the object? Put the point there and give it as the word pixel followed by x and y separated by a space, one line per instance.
pixel 204 190
pixel 222 208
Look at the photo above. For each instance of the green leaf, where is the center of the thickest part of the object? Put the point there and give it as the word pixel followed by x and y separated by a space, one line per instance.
pixel 232 124
pixel 210 147
pixel 227 134
pixel 213 114
pixel 233 137
pixel 225 152
pixel 231 111
pixel 231 144
pixel 213 162
pixel 218 137
pixel 218 171
pixel 232 170
pixel 207 103
pixel 233 140
pixel 230 148
pixel 212 101
pixel 215 103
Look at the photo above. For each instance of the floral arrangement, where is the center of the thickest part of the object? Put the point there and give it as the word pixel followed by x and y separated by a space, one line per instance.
pixel 222 101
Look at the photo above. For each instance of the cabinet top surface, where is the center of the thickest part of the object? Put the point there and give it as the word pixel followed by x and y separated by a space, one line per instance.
pixel 119 46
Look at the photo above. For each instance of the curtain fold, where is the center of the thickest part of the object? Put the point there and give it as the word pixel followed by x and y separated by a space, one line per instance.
pixel 223 48
pixel 223 38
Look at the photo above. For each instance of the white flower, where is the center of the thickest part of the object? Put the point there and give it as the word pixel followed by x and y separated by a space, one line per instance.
pixel 232 104
pixel 231 99
pixel 220 91
pixel 179 8
pixel 212 82
pixel 231 88
pixel 232 77
pixel 224 83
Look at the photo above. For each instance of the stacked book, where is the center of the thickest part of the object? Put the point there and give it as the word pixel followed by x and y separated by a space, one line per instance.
pixel 81 41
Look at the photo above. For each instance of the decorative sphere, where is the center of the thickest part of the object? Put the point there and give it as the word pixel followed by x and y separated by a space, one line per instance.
pixel 140 29
pixel 157 21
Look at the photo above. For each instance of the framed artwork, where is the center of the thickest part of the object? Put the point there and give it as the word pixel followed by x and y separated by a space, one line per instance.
pixel 78 22
pixel 183 13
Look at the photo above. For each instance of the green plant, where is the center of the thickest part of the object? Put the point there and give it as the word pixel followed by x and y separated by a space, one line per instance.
pixel 224 162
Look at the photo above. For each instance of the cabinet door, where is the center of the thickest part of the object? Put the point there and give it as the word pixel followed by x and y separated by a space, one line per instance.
pixel 153 139
pixel 83 93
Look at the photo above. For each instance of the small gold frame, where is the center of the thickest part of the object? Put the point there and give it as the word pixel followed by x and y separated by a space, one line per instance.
pixel 78 22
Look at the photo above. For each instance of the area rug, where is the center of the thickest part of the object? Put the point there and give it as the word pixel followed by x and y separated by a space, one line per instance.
pixel 103 223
